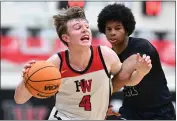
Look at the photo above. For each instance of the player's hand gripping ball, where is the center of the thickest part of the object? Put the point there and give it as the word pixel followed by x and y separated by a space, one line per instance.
pixel 42 79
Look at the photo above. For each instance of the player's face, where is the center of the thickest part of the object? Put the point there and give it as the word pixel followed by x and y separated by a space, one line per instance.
pixel 78 33
pixel 115 32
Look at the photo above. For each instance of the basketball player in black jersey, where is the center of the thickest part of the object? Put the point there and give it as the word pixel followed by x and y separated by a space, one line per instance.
pixel 150 99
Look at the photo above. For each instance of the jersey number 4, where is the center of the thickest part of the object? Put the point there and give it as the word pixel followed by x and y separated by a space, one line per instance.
pixel 85 102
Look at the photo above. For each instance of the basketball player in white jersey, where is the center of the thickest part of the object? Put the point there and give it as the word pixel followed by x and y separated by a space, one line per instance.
pixel 85 71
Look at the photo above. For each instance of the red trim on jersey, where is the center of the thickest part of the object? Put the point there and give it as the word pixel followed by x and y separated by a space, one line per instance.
pixel 96 64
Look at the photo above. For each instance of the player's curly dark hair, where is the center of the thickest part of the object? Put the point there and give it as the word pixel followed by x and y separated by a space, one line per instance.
pixel 116 12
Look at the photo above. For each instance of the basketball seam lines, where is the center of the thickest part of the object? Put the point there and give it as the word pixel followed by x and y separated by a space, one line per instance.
pixel 28 88
pixel 33 74
pixel 37 71
pixel 27 77
pixel 44 80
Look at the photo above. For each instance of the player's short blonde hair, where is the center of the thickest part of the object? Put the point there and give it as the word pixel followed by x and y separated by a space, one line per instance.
pixel 61 19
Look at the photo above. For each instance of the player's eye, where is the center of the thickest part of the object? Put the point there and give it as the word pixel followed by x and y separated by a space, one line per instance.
pixel 77 27
pixel 117 28
pixel 108 29
pixel 87 26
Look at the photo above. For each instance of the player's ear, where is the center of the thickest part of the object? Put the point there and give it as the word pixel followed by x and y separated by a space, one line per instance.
pixel 65 37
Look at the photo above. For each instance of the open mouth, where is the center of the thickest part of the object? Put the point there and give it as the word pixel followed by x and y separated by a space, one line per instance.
pixel 85 38
pixel 112 40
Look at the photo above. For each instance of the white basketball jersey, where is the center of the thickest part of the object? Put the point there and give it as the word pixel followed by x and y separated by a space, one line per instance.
pixel 83 95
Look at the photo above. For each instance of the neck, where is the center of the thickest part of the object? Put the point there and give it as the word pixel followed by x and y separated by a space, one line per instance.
pixel 119 48
pixel 79 57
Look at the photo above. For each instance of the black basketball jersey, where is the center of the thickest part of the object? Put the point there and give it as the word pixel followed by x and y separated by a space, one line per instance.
pixel 152 91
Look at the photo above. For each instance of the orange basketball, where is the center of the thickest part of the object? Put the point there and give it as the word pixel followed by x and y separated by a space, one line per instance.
pixel 43 79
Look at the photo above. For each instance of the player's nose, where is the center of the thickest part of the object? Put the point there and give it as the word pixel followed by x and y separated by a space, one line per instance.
pixel 84 29
pixel 113 33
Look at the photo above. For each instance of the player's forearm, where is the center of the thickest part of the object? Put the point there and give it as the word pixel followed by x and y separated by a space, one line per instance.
pixel 135 78
pixel 120 80
pixel 22 95
pixel 123 77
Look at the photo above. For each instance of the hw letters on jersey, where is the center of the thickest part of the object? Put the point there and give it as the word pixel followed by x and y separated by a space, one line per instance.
pixel 85 86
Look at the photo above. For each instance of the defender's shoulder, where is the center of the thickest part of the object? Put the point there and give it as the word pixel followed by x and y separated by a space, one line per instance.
pixel 141 43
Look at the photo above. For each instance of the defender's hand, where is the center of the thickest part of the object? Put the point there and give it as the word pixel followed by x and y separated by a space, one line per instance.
pixel 143 65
